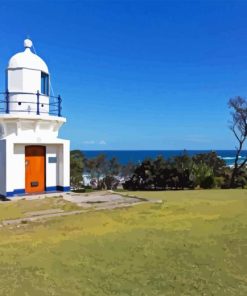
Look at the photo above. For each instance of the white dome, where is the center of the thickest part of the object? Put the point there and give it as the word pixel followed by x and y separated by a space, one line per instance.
pixel 27 59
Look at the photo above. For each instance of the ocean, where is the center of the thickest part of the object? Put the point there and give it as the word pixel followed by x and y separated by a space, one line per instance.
pixel 137 156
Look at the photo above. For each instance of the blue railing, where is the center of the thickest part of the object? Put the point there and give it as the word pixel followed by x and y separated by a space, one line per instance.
pixel 54 105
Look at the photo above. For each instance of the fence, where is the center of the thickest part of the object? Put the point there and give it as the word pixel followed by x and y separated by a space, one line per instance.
pixel 53 107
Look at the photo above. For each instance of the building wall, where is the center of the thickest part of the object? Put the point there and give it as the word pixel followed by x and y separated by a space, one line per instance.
pixel 57 166
pixel 18 162
pixel 27 81
pixel 15 80
pixel 29 127
pixel 31 80
pixel 15 169
pixel 64 165
pixel 52 171
pixel 24 80
pixel 2 167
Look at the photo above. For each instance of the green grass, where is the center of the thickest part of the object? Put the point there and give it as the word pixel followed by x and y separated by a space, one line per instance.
pixel 194 243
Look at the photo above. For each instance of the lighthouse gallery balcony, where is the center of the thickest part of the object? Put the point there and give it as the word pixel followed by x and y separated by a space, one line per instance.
pixel 30 103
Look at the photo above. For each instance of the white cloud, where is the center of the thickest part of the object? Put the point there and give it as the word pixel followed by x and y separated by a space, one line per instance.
pixel 90 142
pixel 197 138
pixel 102 142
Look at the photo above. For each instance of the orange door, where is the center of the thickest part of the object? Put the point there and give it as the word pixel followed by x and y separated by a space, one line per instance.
pixel 35 168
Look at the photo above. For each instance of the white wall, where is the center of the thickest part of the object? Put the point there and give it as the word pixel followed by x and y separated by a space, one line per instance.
pixel 15 80
pixel 2 167
pixel 28 128
pixel 27 81
pixel 66 161
pixel 12 164
pixel 51 168
pixel 64 164
pixel 58 174
pixel 15 166
pixel 18 161
pixel 12 170
pixel 31 80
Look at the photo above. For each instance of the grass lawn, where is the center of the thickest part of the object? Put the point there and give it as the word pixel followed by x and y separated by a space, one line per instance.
pixel 194 243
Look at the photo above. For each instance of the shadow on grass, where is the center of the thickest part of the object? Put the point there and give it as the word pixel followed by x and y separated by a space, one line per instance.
pixel 4 198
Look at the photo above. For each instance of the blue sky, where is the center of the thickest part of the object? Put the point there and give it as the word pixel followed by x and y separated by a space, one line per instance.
pixel 137 74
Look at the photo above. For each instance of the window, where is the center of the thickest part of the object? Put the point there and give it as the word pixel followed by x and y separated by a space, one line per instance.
pixel 44 84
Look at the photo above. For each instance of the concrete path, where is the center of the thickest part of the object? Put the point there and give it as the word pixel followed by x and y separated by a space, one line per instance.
pixel 95 201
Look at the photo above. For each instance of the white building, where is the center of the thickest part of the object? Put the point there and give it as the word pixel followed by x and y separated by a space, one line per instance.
pixel 32 157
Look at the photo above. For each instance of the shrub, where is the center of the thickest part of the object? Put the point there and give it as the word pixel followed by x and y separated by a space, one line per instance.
pixel 219 181
pixel 208 182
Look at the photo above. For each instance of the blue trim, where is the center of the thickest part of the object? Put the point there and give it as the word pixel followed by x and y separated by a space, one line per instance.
pixel 19 191
pixel 63 188
pixel 15 192
pixel 10 194
pixel 47 189
pixel 38 113
pixel 59 106
pixel 58 188
pixel 51 188
pixel 7 101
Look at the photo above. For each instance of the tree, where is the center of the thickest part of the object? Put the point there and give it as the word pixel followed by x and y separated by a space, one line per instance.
pixel 97 168
pixel 212 160
pixel 159 165
pixel 162 174
pixel 203 175
pixel 183 165
pixel 110 182
pixel 76 168
pixel 238 126
pixel 127 170
pixel 112 171
pixel 113 167
pixel 100 168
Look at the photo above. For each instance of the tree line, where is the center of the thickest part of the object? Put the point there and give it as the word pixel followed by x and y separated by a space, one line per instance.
pixel 102 172
pixel 205 170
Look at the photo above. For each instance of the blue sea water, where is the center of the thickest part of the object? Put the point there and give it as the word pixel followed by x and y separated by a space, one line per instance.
pixel 136 156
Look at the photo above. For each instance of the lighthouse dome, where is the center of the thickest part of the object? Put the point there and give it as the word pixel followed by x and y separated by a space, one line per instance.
pixel 27 59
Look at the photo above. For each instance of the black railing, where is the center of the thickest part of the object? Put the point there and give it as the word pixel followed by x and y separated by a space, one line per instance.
pixel 35 106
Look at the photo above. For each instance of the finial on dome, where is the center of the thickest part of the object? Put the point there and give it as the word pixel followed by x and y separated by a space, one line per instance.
pixel 28 43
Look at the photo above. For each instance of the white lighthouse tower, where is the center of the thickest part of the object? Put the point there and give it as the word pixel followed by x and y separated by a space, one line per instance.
pixel 32 157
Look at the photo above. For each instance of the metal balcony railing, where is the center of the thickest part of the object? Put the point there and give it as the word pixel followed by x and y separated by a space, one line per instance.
pixel 34 107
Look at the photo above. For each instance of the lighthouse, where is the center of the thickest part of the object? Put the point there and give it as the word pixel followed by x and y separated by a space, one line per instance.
pixel 33 159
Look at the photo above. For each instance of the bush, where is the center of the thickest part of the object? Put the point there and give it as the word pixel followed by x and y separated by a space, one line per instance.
pixel 208 183
pixel 241 182
pixel 76 169
pixel 110 182
pixel 219 182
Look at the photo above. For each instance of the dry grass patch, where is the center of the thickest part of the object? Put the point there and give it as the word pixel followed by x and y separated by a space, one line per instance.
pixel 20 208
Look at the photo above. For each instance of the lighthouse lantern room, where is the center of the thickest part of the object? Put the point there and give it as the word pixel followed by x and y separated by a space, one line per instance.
pixel 33 159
